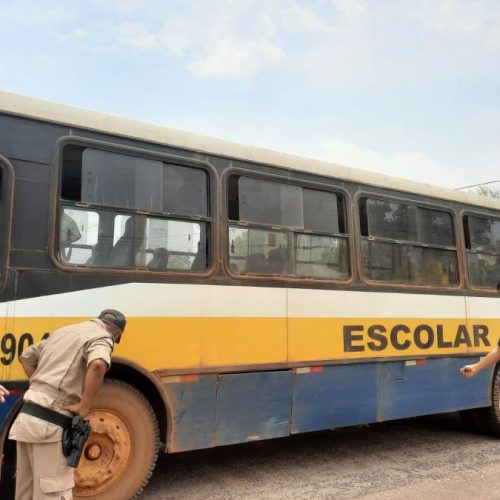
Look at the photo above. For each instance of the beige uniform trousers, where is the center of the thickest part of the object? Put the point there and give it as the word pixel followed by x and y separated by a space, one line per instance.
pixel 45 462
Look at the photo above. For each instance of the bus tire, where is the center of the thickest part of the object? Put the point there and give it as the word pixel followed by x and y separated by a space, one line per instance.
pixel 488 418
pixel 120 454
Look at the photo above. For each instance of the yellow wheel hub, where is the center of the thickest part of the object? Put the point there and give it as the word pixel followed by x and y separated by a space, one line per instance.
pixel 106 454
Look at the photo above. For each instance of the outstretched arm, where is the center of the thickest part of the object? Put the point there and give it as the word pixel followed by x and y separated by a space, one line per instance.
pixel 492 358
pixel 93 382
pixel 3 392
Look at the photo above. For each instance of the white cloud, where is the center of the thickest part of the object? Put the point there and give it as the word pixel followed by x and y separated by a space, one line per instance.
pixel 125 5
pixel 451 173
pixel 336 44
pixel 229 39
pixel 77 33
pixel 407 165
pixel 136 36
pixel 450 16
pixel 349 6
pixel 479 19
pixel 241 59
pixel 303 19
pixel 394 45
pixel 28 14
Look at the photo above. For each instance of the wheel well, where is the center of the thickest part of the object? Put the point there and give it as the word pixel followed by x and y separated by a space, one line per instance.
pixel 136 378
pixel 8 449
pixel 494 374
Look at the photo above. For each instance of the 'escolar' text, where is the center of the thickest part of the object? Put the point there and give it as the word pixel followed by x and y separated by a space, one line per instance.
pixel 402 337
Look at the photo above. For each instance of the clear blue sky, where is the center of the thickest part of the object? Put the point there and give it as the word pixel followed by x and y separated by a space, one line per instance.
pixel 406 87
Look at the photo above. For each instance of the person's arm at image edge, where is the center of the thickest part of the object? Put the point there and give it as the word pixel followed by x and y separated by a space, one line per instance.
pixel 490 359
pixel 3 392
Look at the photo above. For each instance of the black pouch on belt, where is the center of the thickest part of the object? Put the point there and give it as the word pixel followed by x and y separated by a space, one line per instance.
pixel 74 439
pixel 75 430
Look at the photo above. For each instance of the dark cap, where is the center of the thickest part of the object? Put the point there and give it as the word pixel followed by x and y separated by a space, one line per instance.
pixel 113 317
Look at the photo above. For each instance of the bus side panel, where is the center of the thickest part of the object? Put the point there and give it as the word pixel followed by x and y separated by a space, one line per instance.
pixel 28 140
pixel 5 370
pixel 337 396
pixel 407 390
pixel 253 406
pixel 193 405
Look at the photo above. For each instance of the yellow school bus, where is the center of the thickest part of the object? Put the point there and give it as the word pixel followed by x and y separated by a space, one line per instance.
pixel 266 294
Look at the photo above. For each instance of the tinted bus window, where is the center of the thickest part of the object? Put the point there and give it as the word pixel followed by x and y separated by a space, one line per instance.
pixel 406 244
pixel 117 180
pixel 392 220
pixel 111 233
pixel 482 241
pixel 436 228
pixel 269 202
pixel 311 242
pixel 185 190
pixel 321 212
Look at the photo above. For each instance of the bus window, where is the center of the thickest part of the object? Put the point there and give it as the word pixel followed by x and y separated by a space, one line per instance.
pixel 77 235
pixel 392 220
pixel 406 244
pixel 311 241
pixel 435 228
pixel 258 251
pixel 115 233
pixel 186 190
pixel 117 180
pixel 171 244
pixel 109 239
pixel 321 257
pixel 269 202
pixel 482 241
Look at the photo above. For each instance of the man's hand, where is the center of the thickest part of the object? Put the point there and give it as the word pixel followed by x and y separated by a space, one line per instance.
pixel 468 371
pixel 80 409
pixel 3 392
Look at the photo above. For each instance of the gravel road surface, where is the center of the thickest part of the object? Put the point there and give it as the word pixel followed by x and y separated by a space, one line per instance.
pixel 422 458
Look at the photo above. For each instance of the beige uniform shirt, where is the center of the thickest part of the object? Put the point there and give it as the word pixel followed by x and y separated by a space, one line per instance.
pixel 61 362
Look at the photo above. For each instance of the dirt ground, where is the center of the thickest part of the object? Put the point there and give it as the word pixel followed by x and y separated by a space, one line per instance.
pixel 425 458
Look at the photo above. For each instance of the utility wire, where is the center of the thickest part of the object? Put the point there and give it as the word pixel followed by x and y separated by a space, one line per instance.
pixel 477 185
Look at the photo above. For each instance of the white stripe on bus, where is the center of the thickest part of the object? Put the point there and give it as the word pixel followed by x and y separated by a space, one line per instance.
pixel 186 300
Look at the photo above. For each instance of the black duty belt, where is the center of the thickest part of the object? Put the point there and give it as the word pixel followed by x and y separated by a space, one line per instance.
pixel 45 414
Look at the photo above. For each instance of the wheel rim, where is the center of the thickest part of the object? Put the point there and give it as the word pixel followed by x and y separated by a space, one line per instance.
pixel 106 454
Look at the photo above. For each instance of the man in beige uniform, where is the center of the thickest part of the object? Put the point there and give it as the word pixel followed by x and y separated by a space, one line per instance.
pixel 66 371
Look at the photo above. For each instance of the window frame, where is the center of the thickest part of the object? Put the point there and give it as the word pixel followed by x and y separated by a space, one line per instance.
pixel 306 184
pixel 7 181
pixel 466 251
pixel 458 249
pixel 112 147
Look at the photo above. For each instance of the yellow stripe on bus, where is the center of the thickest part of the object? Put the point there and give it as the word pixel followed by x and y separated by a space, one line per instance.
pixel 185 343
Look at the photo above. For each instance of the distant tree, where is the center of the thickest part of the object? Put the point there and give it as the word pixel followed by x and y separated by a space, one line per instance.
pixel 487 191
